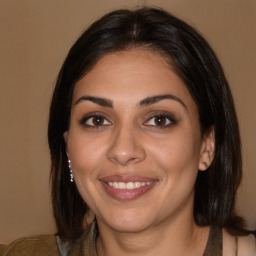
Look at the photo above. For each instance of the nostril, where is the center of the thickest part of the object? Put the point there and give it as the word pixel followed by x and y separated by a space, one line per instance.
pixel 125 148
pixel 128 158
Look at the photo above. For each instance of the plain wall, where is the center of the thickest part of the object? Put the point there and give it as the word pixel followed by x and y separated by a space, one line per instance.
pixel 35 37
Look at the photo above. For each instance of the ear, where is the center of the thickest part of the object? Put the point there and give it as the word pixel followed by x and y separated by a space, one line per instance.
pixel 207 149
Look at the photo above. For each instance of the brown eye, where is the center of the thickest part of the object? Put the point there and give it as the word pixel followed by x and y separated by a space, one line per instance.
pixel 160 120
pixel 95 121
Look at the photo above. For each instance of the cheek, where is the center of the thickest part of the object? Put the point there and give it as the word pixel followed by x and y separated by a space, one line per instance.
pixel 176 161
pixel 180 150
pixel 86 154
pixel 177 157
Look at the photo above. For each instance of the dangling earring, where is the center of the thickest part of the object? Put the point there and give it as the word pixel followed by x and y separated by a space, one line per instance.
pixel 70 171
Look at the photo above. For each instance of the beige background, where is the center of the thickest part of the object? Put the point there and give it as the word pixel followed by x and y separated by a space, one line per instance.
pixel 35 36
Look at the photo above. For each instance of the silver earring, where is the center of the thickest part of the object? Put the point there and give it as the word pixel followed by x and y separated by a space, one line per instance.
pixel 70 171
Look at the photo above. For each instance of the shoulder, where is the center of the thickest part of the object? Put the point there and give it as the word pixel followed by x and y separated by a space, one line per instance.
pixel 37 245
pixel 238 245
pixel 247 245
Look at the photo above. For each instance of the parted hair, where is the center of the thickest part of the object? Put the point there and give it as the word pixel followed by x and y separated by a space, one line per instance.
pixel 196 64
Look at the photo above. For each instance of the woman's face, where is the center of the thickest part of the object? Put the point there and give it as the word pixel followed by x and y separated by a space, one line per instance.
pixel 135 142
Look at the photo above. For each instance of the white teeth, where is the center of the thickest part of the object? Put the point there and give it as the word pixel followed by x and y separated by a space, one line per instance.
pixel 115 184
pixel 128 185
pixel 137 184
pixel 121 185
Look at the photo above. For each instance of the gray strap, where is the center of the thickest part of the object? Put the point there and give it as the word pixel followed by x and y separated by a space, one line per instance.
pixel 63 247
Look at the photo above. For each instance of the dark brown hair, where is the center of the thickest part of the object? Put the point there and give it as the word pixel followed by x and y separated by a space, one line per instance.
pixel 196 64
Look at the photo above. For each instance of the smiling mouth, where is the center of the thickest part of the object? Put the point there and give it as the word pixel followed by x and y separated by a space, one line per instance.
pixel 127 187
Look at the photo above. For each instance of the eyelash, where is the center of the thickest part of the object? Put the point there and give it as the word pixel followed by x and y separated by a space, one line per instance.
pixel 91 116
pixel 167 118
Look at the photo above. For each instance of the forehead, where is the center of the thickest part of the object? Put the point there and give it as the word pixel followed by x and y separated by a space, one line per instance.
pixel 132 75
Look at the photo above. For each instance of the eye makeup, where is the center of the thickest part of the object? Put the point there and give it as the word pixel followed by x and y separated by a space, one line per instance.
pixel 160 120
pixel 95 120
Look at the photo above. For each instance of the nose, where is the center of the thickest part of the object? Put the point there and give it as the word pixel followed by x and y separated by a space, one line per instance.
pixel 126 147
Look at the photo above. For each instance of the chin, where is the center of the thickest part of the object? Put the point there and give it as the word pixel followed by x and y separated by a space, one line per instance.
pixel 129 227
pixel 128 222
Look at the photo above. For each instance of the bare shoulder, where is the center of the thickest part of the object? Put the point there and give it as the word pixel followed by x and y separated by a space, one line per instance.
pixel 240 245
pixel 37 245
pixel 247 245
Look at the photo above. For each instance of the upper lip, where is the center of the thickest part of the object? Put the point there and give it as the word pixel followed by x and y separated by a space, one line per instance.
pixel 126 178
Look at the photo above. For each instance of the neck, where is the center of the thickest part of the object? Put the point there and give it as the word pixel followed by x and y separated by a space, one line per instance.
pixel 174 238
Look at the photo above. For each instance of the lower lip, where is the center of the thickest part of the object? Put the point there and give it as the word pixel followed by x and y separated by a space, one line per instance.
pixel 127 194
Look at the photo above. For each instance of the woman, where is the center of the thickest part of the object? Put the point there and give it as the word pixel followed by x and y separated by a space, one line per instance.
pixel 144 144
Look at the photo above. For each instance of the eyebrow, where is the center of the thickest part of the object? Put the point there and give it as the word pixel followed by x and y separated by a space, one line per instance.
pixel 145 102
pixel 154 99
pixel 100 101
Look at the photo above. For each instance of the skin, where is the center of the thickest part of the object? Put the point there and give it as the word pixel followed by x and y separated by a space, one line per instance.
pixel 128 143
